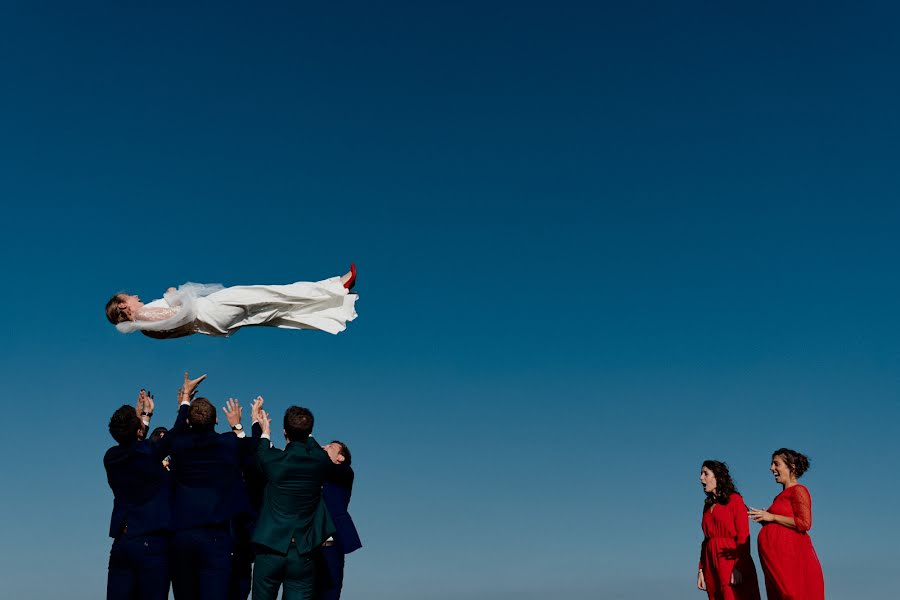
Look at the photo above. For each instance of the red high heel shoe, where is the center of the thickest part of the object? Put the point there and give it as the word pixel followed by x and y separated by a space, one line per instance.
pixel 352 281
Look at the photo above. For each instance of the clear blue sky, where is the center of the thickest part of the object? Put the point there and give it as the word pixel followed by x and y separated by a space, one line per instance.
pixel 597 245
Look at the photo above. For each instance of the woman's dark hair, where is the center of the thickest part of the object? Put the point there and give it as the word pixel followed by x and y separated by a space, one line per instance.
pixel 797 463
pixel 114 314
pixel 724 484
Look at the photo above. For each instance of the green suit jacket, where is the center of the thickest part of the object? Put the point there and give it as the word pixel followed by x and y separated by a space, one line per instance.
pixel 292 503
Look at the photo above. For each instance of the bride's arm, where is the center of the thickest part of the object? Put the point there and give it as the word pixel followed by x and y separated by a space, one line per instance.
pixel 158 310
pixel 155 313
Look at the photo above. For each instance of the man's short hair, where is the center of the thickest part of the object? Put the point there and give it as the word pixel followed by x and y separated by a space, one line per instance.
pixel 345 451
pixel 202 415
pixel 125 424
pixel 298 423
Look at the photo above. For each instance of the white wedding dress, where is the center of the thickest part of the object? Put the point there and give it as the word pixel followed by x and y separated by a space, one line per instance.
pixel 215 310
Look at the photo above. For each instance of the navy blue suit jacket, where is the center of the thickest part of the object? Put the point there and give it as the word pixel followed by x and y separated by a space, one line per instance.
pixel 206 467
pixel 141 486
pixel 336 492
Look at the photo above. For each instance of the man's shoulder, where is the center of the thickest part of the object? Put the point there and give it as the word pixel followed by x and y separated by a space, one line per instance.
pixel 341 475
pixel 118 453
pixel 112 454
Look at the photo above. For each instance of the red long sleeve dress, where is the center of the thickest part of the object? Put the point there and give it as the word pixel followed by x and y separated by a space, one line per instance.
pixel 726 546
pixel 789 562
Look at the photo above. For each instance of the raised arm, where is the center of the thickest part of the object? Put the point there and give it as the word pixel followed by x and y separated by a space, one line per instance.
pixel 256 417
pixel 185 395
pixel 144 409
pixel 264 451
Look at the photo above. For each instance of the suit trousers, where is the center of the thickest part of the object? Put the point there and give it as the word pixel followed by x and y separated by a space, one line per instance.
pixel 330 578
pixel 202 563
pixel 138 568
pixel 242 559
pixel 271 570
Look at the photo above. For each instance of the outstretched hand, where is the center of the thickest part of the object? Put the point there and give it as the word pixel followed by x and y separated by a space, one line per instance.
pixel 256 409
pixel 188 389
pixel 147 403
pixel 265 422
pixel 144 403
pixel 233 412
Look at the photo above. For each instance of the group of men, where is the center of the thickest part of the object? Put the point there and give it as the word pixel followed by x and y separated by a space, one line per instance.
pixel 219 515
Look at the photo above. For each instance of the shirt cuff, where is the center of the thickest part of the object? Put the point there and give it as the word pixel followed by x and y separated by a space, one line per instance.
pixel 266 436
pixel 185 403
pixel 241 433
pixel 145 421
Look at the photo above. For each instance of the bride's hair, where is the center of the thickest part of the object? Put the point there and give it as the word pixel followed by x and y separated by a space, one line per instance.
pixel 115 314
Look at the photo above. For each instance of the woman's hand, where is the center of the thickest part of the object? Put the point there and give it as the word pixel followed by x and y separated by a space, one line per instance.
pixel 761 516
pixel 736 577
pixel 701 582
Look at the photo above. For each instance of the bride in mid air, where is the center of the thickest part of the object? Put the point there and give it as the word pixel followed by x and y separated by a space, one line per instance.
pixel 212 309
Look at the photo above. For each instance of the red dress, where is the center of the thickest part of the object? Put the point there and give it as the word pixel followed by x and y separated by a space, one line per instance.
pixel 789 562
pixel 726 546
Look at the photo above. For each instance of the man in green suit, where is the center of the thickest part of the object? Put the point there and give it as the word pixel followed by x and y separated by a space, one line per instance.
pixel 293 521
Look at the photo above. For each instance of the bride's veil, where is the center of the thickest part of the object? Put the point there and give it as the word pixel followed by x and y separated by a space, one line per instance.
pixel 185 299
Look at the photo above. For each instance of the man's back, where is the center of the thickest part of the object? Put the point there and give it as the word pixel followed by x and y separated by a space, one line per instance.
pixel 141 488
pixel 336 492
pixel 208 485
pixel 292 503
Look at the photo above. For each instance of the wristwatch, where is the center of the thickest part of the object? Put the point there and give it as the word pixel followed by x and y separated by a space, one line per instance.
pixel 237 427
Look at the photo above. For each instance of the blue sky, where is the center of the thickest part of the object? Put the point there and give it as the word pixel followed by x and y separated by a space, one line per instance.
pixel 597 245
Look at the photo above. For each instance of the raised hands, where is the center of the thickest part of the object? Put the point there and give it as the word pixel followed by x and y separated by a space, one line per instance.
pixel 265 422
pixel 256 409
pixel 188 389
pixel 144 405
pixel 233 412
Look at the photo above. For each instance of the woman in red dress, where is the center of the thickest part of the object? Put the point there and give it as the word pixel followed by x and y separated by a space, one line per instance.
pixel 726 568
pixel 790 565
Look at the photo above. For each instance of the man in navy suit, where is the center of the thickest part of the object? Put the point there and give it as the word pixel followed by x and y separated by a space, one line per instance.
pixel 209 495
pixel 336 493
pixel 141 517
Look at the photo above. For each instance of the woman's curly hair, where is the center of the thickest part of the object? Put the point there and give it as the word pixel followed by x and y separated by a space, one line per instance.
pixel 724 484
